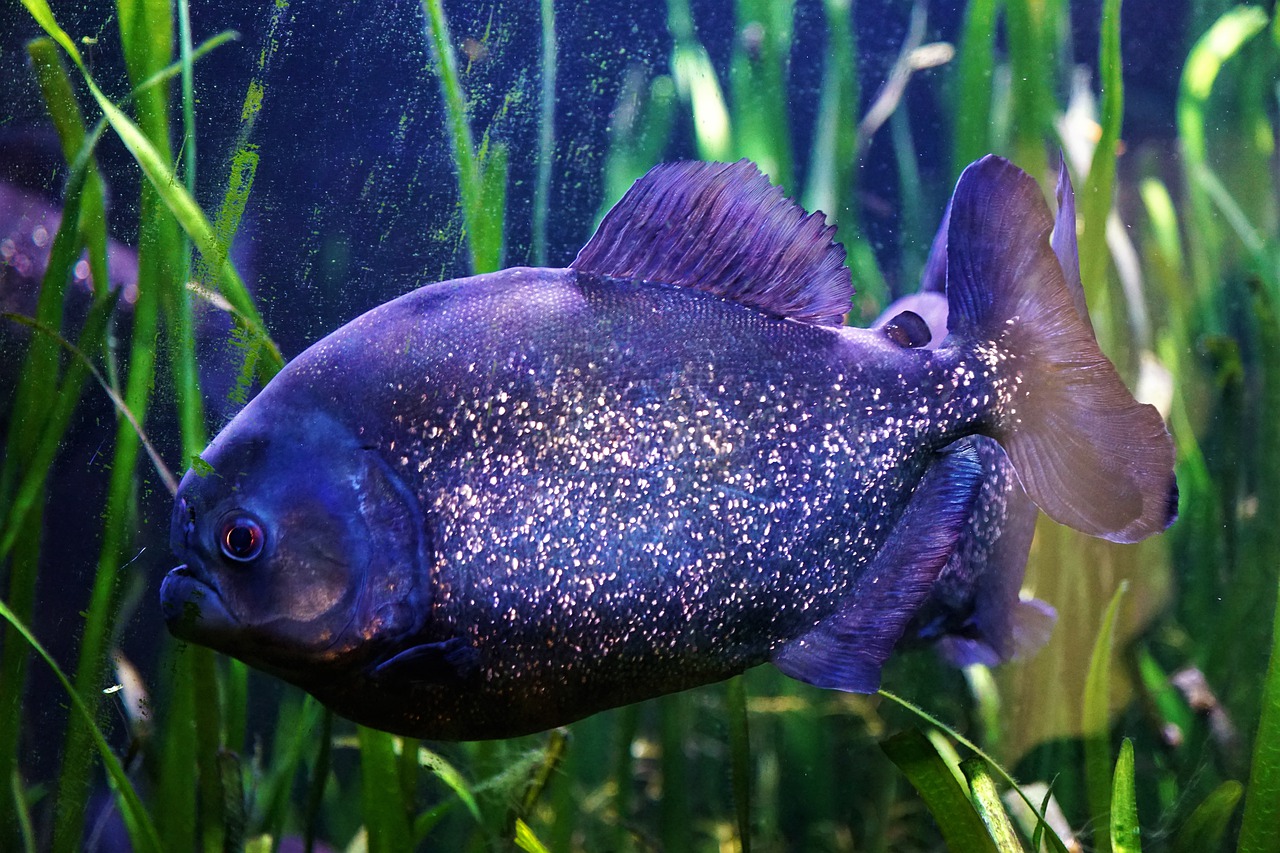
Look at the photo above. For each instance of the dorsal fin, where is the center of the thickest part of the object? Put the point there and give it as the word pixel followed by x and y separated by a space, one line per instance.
pixel 724 229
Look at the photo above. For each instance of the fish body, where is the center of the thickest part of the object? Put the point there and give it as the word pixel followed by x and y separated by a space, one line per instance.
pixel 502 503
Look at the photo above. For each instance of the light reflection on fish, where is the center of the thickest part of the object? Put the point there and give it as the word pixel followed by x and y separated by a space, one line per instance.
pixel 502 503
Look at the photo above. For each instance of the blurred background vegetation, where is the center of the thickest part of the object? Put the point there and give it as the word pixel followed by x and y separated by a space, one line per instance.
pixel 347 154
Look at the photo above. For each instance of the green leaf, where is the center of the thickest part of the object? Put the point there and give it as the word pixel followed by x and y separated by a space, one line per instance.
pixel 1125 834
pixel 698 86
pixel 1099 188
pixel 546 135
pixel 1097 722
pixel 758 81
pixel 986 801
pixel 142 833
pixel 179 202
pixel 481 178
pixel 1038 811
pixel 453 780
pixel 833 157
pixel 974 81
pixel 526 840
pixel 1262 804
pixel 945 797
pixel 382 799
pixel 1207 825
pixel 740 758
pixel 1222 42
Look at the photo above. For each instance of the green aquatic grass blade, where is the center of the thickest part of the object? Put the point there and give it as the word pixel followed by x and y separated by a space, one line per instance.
pixel 638 134
pixel 221 814
pixel 622 773
pixel 64 110
pixel 1249 235
pixel 381 797
pixel 986 802
pixel 675 815
pixel 1099 189
pixel 297 722
pixel 1031 92
pixel 526 840
pixel 487 225
pixel 42 408
pixel 1206 827
pixel 1125 833
pixel 1051 838
pixel 181 335
pixel 698 86
pixel 1258 828
pixel 916 236
pixel 973 87
pixel 171 191
pixel 739 758
pixel 32 485
pixel 945 798
pixel 478 176
pixel 142 832
pixel 758 83
pixel 1215 48
pixel 452 779
pixel 547 766
pixel 833 156
pixel 319 782
pixel 1096 723
pixel 872 289
pixel 1163 695
pixel 234 820
pixel 22 814
pixel 546 133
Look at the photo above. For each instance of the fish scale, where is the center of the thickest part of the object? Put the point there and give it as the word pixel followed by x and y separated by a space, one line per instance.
pixel 499 504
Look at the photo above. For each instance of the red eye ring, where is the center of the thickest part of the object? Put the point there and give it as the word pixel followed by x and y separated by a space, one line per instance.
pixel 241 538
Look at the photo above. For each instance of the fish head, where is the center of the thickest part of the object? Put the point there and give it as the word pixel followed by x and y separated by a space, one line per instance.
pixel 301 550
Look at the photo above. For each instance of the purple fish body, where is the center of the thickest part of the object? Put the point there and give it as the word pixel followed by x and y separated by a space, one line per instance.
pixel 502 503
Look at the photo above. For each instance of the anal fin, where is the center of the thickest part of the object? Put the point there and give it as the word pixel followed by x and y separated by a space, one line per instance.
pixel 974 612
pixel 847 649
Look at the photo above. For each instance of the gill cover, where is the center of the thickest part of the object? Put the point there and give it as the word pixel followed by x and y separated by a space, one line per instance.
pixel 301 546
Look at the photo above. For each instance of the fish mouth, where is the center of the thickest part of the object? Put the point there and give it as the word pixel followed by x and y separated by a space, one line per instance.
pixel 193 608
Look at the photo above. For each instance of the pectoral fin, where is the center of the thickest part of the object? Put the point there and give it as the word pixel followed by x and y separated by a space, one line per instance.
pixel 847 649
pixel 451 660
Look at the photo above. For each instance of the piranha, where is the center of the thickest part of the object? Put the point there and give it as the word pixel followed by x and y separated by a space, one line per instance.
pixel 502 503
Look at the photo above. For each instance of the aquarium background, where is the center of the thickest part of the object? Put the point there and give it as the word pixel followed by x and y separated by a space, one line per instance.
pixel 300 162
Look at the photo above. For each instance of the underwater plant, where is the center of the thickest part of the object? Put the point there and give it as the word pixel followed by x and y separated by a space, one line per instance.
pixel 1156 704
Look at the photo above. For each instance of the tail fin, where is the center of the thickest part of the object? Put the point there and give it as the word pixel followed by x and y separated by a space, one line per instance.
pixel 1086 452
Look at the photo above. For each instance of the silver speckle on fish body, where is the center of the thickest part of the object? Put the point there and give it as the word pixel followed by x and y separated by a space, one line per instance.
pixel 551 492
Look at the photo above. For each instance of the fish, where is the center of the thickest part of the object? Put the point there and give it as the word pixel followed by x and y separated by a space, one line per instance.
pixel 499 504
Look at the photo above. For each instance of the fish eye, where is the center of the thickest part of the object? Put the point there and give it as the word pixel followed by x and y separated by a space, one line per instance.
pixel 908 330
pixel 241 538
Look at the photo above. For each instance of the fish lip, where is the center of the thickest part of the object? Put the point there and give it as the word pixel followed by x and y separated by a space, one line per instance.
pixel 193 607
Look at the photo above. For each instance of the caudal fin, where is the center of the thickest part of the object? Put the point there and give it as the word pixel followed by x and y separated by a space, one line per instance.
pixel 1086 452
